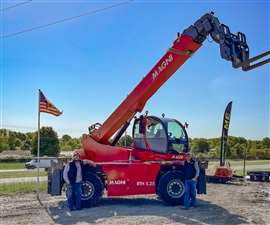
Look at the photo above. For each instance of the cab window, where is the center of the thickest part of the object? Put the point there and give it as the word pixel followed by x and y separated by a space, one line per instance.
pixel 138 137
pixel 177 139
pixel 155 136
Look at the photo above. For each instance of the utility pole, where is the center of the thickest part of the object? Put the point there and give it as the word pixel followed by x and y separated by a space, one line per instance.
pixel 245 156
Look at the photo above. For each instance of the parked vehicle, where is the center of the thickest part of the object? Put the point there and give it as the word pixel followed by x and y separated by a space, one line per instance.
pixel 44 163
pixel 263 176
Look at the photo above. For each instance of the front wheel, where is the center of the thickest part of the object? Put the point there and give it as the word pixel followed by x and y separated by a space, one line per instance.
pixel 92 190
pixel 171 188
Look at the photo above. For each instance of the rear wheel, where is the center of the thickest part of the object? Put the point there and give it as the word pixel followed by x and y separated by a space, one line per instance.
pixel 171 188
pixel 92 190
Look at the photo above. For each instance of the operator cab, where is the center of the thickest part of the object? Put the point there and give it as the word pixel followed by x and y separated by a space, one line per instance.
pixel 162 135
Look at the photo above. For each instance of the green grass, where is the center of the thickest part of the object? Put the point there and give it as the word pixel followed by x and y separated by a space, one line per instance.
pixel 240 162
pixel 11 166
pixel 21 174
pixel 22 187
pixel 249 162
pixel 240 171
pixel 236 163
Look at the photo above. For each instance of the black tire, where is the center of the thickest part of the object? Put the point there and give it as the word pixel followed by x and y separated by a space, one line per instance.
pixel 171 188
pixel 92 190
pixel 30 167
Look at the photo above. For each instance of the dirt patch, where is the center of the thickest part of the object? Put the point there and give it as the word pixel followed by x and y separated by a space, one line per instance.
pixel 22 209
pixel 225 204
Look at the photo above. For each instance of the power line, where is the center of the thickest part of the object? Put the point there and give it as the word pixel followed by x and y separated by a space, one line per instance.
pixel 65 19
pixel 15 5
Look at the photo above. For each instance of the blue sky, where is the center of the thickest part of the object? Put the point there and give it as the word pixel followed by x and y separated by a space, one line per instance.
pixel 87 66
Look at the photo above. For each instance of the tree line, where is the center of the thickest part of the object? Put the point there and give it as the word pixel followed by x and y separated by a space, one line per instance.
pixel 51 145
pixel 238 148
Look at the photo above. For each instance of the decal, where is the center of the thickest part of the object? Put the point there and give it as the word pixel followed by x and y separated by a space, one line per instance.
pixel 225 131
pixel 117 182
pixel 164 64
pixel 145 183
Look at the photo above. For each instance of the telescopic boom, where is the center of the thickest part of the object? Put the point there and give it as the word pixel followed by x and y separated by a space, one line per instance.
pixel 233 47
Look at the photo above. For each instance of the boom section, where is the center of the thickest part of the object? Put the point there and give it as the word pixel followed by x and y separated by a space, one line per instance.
pixel 182 49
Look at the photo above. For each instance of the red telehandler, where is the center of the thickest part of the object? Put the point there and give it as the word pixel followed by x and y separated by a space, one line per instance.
pixel 154 163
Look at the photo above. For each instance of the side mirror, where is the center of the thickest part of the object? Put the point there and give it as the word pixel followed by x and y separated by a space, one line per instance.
pixel 141 124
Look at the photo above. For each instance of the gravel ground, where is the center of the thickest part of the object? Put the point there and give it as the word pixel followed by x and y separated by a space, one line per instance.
pixel 225 204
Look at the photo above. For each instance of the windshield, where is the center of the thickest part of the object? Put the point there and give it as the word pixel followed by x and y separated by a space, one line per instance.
pixel 177 138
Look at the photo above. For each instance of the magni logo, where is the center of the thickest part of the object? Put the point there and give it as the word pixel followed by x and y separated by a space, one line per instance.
pixel 113 182
pixel 164 64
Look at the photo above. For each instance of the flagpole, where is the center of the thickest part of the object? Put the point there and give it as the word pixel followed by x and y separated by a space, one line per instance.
pixel 38 144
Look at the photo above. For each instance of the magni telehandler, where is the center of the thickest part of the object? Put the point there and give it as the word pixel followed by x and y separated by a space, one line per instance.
pixel 154 163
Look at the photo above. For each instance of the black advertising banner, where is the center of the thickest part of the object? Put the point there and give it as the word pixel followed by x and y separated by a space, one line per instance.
pixel 225 131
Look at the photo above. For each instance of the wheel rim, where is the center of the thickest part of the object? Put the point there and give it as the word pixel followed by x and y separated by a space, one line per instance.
pixel 175 188
pixel 88 190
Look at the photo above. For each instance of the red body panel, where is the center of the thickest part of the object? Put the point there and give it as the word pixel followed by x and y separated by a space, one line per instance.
pixel 103 153
pixel 224 171
pixel 131 177
pixel 128 171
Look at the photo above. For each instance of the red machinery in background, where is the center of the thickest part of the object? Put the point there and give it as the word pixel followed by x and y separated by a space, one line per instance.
pixel 224 172
pixel 154 164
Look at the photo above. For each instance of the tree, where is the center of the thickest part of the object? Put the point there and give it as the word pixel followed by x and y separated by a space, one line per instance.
pixel 27 144
pixel 266 143
pixel 67 143
pixel 66 138
pixel 18 143
pixel 74 143
pixel 125 140
pixel 213 154
pixel 11 141
pixel 200 145
pixel 3 143
pixel 49 143
pixel 30 135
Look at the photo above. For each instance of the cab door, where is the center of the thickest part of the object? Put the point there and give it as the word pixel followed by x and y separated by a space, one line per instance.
pixel 177 137
pixel 153 137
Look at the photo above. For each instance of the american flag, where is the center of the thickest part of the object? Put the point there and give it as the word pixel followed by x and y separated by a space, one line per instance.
pixel 46 106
